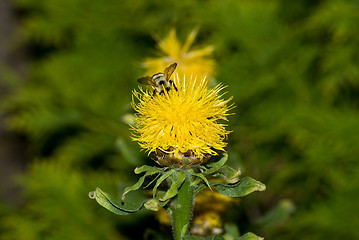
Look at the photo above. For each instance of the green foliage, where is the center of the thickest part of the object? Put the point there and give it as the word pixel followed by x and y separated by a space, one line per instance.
pixel 292 68
pixel 183 185
pixel 54 195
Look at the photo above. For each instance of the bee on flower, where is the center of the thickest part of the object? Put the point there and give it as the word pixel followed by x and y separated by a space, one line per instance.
pixel 161 81
pixel 182 123
pixel 181 127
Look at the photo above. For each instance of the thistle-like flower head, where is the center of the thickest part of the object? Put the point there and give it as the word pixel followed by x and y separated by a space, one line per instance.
pixel 181 126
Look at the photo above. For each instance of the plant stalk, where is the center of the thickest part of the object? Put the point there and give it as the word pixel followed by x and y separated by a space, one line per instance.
pixel 182 206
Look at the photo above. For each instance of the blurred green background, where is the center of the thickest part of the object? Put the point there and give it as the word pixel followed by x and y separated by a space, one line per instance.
pixel 292 67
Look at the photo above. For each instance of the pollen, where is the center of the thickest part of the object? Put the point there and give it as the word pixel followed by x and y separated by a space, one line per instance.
pixel 189 122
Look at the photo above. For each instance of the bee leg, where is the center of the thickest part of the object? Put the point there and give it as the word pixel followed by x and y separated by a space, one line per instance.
pixel 173 84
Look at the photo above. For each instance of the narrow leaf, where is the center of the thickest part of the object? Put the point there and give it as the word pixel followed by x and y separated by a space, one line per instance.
pixel 160 195
pixel 136 186
pixel 115 206
pixel 146 168
pixel 240 189
pixel 160 180
pixel 201 176
pixel 174 186
pixel 150 171
pixel 214 167
pixel 201 187
pixel 184 230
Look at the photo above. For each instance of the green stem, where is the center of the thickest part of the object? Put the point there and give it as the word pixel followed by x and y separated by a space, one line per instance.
pixel 181 208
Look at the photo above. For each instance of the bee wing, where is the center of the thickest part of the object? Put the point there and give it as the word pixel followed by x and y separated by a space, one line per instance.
pixel 169 70
pixel 145 80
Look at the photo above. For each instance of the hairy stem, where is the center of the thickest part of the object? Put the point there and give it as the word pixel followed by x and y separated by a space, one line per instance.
pixel 181 208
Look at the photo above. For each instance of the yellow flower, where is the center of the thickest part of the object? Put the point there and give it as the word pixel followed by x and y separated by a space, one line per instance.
pixel 197 62
pixel 210 207
pixel 181 126
pixel 209 200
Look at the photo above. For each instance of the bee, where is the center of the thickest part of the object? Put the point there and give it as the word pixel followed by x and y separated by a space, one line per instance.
pixel 160 81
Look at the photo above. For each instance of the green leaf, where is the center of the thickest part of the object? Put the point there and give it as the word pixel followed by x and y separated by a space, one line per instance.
pixel 122 208
pixel 201 187
pixel 201 176
pixel 250 236
pixel 184 230
pixel 214 167
pixel 150 169
pixel 175 186
pixel 228 172
pixel 240 189
pixel 136 186
pixel 115 206
pixel 154 203
pixel 161 179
